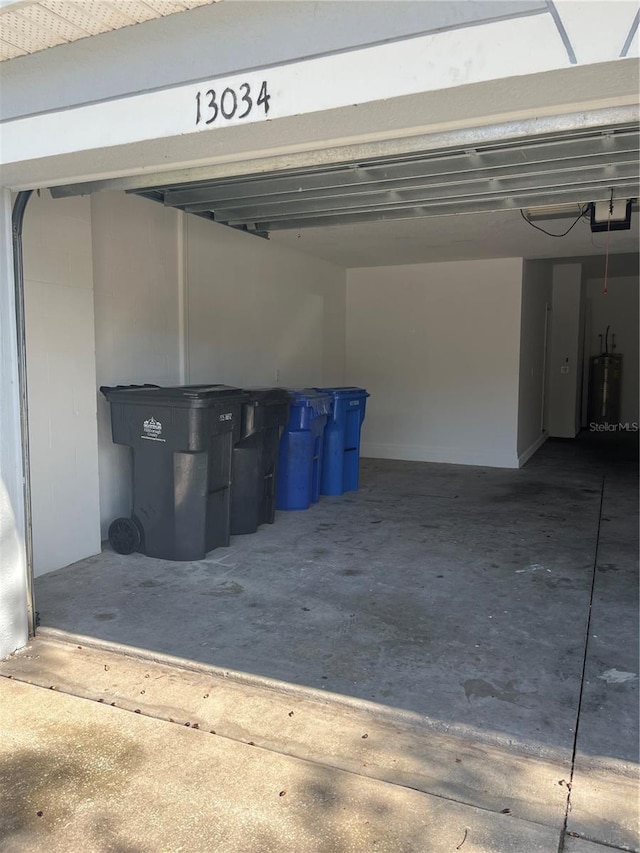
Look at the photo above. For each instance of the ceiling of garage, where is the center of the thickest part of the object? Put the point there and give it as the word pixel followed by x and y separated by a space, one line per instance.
pixel 570 167
pixel 434 206
pixel 445 238
pixel 27 26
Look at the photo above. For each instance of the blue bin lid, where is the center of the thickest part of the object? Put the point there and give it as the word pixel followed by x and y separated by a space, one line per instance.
pixel 345 391
pixel 311 398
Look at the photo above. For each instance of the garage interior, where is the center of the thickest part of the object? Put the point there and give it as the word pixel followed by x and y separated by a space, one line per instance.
pixel 484 577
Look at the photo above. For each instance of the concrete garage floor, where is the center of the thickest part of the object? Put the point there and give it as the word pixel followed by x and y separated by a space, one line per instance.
pixel 495 605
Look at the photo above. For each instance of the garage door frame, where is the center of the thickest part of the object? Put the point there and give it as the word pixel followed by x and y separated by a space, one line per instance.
pixel 459 138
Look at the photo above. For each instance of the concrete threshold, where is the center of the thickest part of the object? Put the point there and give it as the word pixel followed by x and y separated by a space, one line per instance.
pixel 105 749
pixel 82 775
pixel 356 738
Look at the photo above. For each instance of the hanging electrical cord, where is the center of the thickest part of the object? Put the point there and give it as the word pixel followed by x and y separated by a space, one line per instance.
pixel 605 289
pixel 583 212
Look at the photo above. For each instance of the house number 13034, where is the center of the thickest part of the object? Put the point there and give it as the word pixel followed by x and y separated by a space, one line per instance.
pixel 230 103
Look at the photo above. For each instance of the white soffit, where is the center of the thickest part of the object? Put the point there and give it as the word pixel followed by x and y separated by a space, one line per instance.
pixel 426 62
pixel 27 26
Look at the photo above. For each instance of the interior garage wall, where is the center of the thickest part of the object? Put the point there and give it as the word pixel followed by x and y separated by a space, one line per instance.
pixel 536 303
pixel 136 272
pixel 619 309
pixel 61 380
pixel 438 345
pixel 565 351
pixel 259 314
pixel 178 298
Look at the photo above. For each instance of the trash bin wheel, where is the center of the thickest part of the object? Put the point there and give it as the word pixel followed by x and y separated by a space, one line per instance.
pixel 124 536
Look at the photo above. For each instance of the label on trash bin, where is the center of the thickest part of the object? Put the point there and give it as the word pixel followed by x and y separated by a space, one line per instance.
pixel 354 402
pixel 152 430
pixel 228 416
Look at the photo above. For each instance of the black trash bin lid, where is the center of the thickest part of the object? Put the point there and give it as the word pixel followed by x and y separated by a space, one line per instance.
pixel 173 395
pixel 268 395
pixel 199 392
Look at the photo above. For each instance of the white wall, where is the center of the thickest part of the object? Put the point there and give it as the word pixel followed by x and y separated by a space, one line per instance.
pixel 536 301
pixel 258 314
pixel 564 371
pixel 61 380
pixel 13 584
pixel 181 299
pixel 619 309
pixel 136 271
pixel 437 346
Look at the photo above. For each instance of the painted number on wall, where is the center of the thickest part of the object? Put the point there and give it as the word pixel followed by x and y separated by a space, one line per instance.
pixel 214 104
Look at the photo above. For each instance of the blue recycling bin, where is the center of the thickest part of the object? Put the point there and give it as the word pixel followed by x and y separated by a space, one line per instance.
pixel 300 461
pixel 341 455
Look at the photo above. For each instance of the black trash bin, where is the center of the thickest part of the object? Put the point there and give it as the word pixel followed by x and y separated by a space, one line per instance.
pixel 255 459
pixel 182 440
